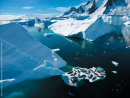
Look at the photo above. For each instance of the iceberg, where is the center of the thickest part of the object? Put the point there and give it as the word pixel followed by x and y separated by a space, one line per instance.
pixel 88 29
pixel 78 74
pixel 39 23
pixel 42 23
pixel 26 58
pixel 48 34
pixel 115 72
pixel 114 63
pixel 55 50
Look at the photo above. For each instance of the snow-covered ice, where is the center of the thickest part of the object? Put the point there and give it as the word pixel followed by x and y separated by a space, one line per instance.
pixel 55 50
pixel 26 58
pixel 115 72
pixel 114 63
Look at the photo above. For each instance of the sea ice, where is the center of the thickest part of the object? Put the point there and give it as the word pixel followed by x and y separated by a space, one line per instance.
pixel 55 50
pixel 24 57
pixel 115 63
pixel 115 72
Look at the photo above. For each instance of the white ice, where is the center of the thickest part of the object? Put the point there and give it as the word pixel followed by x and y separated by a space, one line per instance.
pixel 48 34
pixel 115 72
pixel 114 63
pixel 55 50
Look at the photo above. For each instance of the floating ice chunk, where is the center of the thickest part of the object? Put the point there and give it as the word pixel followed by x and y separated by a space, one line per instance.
pixel 87 29
pixel 48 34
pixel 115 63
pixel 24 56
pixel 107 43
pixel 115 72
pixel 78 74
pixel 55 50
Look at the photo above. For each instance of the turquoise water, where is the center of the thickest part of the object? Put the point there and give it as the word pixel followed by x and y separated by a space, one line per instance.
pixel 77 52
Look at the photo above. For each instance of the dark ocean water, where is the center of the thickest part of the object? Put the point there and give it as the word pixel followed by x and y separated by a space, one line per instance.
pixel 78 52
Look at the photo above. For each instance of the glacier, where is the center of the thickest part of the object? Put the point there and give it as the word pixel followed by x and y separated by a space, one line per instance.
pixel 24 57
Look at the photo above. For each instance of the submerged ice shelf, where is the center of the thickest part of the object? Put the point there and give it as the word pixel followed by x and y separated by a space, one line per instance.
pixel 75 77
pixel 26 58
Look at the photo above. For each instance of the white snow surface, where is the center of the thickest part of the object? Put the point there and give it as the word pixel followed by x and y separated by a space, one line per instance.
pixel 23 56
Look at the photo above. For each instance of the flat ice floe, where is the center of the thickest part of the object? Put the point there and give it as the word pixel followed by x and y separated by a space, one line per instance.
pixel 114 63
pixel 55 50
pixel 115 72
pixel 26 58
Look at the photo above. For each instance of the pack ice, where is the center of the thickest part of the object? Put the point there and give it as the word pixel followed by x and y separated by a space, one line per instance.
pixel 24 57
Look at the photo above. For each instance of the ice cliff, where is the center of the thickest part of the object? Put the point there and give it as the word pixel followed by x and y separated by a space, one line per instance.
pixel 24 57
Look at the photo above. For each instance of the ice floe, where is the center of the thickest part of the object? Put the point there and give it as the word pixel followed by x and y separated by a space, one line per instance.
pixel 55 50
pixel 115 72
pixel 114 63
